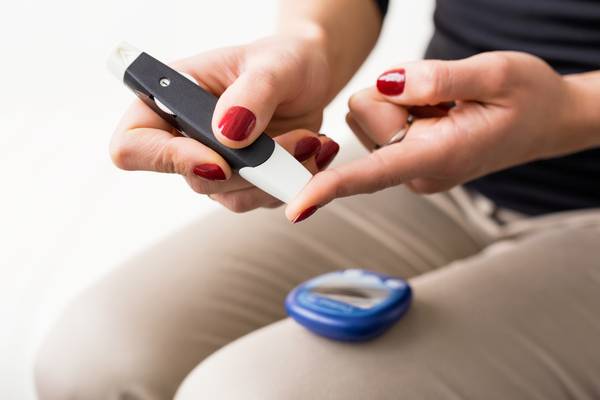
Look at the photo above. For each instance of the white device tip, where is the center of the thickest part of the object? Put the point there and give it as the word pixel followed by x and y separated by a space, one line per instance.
pixel 121 58
pixel 282 176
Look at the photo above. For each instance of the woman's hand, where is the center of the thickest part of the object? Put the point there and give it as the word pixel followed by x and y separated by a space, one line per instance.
pixel 511 108
pixel 277 85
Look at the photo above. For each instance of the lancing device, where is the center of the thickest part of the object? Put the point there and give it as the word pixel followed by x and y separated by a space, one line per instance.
pixel 180 101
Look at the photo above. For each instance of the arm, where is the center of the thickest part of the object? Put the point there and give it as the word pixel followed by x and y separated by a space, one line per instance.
pixel 584 113
pixel 345 29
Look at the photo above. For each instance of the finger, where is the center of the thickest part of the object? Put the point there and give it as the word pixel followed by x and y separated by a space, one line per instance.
pixel 329 150
pixel 305 145
pixel 378 118
pixel 429 82
pixel 246 107
pixel 212 70
pixel 139 115
pixel 245 200
pixel 148 149
pixel 362 137
pixel 206 186
pixel 301 143
pixel 152 148
pixel 416 156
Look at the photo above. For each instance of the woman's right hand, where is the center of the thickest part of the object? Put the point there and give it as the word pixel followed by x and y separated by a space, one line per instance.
pixel 276 85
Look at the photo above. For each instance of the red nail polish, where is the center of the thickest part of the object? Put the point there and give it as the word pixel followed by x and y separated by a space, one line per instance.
pixel 210 171
pixel 326 154
pixel 306 147
pixel 237 123
pixel 305 214
pixel 391 83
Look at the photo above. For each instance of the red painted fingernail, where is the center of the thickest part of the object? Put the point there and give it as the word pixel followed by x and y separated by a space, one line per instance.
pixel 237 123
pixel 305 214
pixel 210 171
pixel 306 147
pixel 326 154
pixel 391 83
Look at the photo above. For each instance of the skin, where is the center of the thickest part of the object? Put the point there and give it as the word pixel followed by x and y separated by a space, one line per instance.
pixel 285 80
pixel 511 108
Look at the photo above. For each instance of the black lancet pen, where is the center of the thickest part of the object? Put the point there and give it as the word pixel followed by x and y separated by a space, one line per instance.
pixel 180 101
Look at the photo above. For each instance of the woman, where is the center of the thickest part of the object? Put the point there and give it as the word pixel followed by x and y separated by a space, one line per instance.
pixel 505 268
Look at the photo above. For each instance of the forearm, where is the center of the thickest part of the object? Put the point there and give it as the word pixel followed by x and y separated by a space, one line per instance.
pixel 584 115
pixel 346 30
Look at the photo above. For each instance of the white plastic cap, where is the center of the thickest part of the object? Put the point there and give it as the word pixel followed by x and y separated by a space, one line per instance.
pixel 121 58
pixel 282 176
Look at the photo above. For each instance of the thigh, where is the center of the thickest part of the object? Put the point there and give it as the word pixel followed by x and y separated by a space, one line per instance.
pixel 145 326
pixel 518 321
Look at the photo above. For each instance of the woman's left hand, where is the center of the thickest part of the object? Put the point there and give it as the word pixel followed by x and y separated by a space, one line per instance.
pixel 511 108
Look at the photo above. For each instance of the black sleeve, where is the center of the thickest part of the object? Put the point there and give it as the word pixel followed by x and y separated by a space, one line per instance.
pixel 383 6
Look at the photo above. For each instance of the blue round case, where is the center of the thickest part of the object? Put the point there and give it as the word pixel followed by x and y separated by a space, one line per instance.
pixel 349 305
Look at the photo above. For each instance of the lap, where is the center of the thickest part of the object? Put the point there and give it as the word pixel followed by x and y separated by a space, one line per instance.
pixel 147 324
pixel 518 320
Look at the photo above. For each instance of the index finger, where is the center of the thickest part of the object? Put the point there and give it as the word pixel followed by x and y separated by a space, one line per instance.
pixel 143 141
pixel 392 165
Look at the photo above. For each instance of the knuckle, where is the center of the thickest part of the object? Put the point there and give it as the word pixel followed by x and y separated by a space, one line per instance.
pixel 501 71
pixel 425 186
pixel 356 102
pixel 352 102
pixel 383 176
pixel 266 77
pixel 167 159
pixel 121 154
pixel 236 203
pixel 198 186
pixel 239 206
pixel 437 81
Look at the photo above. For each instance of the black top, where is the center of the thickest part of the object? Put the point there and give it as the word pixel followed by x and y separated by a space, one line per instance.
pixel 566 34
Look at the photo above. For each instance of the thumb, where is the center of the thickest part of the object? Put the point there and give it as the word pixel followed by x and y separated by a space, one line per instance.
pixel 246 107
pixel 430 82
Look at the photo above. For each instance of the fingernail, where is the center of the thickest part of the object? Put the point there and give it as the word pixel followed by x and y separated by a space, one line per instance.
pixel 326 154
pixel 305 214
pixel 391 83
pixel 306 147
pixel 210 171
pixel 237 123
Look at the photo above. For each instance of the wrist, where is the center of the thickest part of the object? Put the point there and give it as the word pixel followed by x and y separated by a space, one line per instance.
pixel 303 28
pixel 314 45
pixel 311 34
pixel 582 118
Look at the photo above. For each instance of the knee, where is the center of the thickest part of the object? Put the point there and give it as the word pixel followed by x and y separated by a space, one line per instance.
pixel 284 361
pixel 90 354
pixel 281 361
pixel 249 368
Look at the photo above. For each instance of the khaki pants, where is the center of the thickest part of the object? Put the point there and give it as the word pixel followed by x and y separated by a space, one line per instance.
pixel 501 311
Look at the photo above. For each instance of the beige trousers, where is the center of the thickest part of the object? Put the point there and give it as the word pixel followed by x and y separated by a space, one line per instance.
pixel 501 311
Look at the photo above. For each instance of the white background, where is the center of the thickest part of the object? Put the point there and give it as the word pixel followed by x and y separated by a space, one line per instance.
pixel 67 215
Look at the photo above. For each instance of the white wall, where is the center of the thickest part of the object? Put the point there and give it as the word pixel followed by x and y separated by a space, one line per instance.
pixel 66 214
